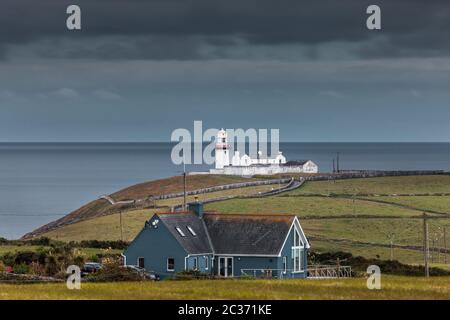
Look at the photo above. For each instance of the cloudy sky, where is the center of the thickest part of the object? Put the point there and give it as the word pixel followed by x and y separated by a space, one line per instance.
pixel 139 69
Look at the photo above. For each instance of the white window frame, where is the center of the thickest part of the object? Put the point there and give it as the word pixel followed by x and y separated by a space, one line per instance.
pixel 284 264
pixel 297 250
pixel 170 270
pixel 206 262
pixel 180 232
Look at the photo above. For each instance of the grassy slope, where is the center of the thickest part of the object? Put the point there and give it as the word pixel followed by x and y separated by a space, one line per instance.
pixel 104 228
pixel 407 231
pixel 108 227
pixel 385 185
pixel 308 206
pixel 392 288
pixel 435 203
pixel 175 184
pixel 100 207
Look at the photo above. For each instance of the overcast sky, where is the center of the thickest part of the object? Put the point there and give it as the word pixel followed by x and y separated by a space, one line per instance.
pixel 139 69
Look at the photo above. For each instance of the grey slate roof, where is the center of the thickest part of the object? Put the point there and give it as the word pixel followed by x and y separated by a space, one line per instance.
pixel 247 233
pixel 295 163
pixel 192 244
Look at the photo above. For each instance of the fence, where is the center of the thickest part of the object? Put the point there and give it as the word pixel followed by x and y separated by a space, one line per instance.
pixel 329 272
pixel 270 273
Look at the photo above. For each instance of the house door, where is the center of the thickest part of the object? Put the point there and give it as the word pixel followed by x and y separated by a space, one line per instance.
pixel 226 266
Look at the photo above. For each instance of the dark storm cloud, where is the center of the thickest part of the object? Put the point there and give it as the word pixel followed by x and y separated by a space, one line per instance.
pixel 192 29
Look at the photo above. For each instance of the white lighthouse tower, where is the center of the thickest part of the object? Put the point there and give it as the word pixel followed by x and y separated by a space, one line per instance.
pixel 222 150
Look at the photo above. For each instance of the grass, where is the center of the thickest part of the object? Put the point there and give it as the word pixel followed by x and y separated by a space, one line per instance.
pixel 225 193
pixel 308 206
pixel 104 228
pixel 433 203
pixel 100 207
pixel 175 184
pixel 381 185
pixel 86 251
pixel 392 288
pixel 108 227
pixel 351 230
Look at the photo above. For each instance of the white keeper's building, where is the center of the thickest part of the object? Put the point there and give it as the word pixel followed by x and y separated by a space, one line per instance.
pixel 244 165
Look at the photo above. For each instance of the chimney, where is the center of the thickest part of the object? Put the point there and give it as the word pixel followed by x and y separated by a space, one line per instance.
pixel 196 207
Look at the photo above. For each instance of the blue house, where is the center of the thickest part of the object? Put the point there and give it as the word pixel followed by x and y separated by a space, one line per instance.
pixel 226 245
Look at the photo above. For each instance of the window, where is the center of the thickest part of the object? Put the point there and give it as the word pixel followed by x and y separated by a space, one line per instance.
pixel 297 240
pixel 141 262
pixel 284 264
pixel 180 232
pixel 297 258
pixel 206 263
pixel 191 231
pixel 297 252
pixel 170 264
pixel 195 264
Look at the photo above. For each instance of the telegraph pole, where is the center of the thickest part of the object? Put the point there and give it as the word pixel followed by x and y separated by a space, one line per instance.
pixel 337 162
pixel 121 225
pixel 184 187
pixel 426 249
pixel 445 245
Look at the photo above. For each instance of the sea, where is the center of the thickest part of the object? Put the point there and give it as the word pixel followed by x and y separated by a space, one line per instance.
pixel 41 182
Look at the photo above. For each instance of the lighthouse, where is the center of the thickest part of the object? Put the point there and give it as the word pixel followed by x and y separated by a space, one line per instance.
pixel 222 150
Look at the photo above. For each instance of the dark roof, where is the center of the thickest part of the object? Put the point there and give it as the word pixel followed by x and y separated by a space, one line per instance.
pixel 295 163
pixel 192 244
pixel 248 234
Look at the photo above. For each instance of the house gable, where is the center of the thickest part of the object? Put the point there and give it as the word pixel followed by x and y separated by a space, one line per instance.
pixel 155 244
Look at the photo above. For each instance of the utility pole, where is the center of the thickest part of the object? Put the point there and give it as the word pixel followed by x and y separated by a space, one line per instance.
pixel 121 225
pixel 337 162
pixel 445 245
pixel 334 166
pixel 184 187
pixel 426 249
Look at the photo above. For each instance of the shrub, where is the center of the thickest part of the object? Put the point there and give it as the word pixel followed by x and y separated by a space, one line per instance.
pixel 113 274
pixel 2 267
pixel 360 264
pixel 36 269
pixel 191 274
pixel 51 266
pixel 20 268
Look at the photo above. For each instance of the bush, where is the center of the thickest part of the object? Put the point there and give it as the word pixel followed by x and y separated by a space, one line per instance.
pixel 2 267
pixel 360 264
pixel 120 245
pixel 36 269
pixel 20 268
pixel 114 274
pixel 191 275
pixel 51 266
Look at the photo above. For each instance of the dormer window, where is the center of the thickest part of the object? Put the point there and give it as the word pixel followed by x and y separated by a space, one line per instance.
pixel 180 232
pixel 191 231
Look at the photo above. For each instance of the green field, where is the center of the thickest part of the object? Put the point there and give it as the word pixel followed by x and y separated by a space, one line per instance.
pixel 310 206
pixel 356 233
pixel 384 185
pixel 391 288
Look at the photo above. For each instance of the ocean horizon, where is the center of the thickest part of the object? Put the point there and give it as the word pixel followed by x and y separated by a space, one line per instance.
pixel 43 181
